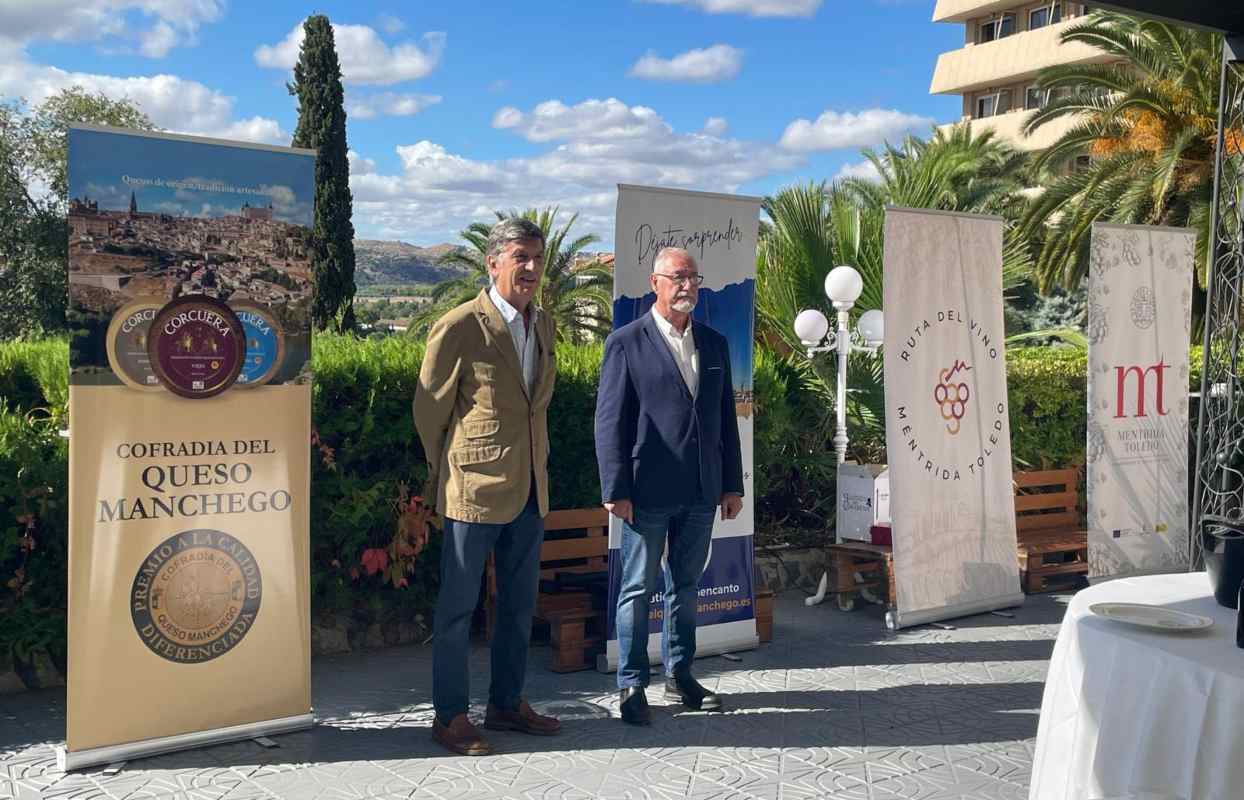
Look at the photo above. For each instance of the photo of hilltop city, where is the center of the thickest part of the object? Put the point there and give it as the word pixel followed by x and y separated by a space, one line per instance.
pixel 160 218
pixel 116 256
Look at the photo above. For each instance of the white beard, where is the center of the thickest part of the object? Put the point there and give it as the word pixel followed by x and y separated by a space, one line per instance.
pixel 683 306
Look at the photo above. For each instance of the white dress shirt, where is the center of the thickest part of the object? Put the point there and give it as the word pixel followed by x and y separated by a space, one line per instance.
pixel 682 346
pixel 522 333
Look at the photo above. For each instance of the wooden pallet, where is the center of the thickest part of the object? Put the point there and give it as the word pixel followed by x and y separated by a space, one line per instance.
pixel 1052 546
pixel 860 568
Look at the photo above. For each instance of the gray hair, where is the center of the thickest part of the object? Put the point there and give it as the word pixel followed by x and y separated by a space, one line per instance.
pixel 671 252
pixel 512 229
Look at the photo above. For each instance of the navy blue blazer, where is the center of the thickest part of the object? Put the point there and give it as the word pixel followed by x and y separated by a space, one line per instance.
pixel 656 445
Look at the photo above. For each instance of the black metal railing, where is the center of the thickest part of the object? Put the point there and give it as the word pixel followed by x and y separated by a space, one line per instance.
pixel 1218 490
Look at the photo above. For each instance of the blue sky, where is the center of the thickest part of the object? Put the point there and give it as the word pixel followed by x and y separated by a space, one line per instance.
pixel 172 176
pixel 461 107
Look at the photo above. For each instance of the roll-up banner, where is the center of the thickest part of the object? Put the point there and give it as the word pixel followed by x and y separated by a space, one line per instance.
pixel 190 294
pixel 1139 320
pixel 720 230
pixel 948 436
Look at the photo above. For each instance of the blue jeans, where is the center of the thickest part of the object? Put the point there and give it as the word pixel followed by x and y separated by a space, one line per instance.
pixel 689 529
pixel 465 549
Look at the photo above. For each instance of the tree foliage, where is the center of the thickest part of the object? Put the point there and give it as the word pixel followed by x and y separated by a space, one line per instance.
pixel 322 127
pixel 34 184
pixel 1149 123
pixel 578 294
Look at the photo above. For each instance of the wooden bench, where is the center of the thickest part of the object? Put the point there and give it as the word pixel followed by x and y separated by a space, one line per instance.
pixel 1052 544
pixel 576 541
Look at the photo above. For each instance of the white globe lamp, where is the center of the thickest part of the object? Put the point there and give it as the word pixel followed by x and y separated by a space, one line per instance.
pixel 811 326
pixel 843 286
pixel 871 326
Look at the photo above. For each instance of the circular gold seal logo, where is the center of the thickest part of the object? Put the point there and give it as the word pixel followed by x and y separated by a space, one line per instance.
pixel 197 346
pixel 196 596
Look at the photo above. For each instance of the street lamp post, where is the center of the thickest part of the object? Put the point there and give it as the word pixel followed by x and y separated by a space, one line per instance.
pixel 843 286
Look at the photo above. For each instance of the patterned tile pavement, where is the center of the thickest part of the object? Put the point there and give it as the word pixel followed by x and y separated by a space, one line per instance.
pixel 835 708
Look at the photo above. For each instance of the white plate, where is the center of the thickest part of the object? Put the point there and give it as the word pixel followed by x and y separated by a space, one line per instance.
pixel 1163 619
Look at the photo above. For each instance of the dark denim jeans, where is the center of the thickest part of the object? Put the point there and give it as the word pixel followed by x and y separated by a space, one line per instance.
pixel 689 529
pixel 463 553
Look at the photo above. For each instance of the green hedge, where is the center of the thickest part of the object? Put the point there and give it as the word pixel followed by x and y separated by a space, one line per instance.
pixel 1048 407
pixel 367 459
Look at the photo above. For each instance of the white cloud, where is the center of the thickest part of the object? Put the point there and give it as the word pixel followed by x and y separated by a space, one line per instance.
pixel 861 169
pixel 171 102
pixel 390 104
pixel 834 130
pixel 360 165
pixel 153 27
pixel 591 147
pixel 391 24
pixel 592 119
pixel 721 62
pixel 365 58
pixel 716 126
pixel 754 8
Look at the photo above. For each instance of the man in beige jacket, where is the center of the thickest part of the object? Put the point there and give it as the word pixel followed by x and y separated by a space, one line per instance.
pixel 480 408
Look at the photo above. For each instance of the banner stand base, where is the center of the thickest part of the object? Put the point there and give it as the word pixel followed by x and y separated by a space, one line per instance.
pixel 607 663
pixel 896 619
pixel 67 760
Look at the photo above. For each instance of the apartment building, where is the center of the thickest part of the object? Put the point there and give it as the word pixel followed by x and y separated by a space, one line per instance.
pixel 1006 44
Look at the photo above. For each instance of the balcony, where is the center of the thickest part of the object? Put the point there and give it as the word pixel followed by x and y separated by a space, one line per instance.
pixel 964 10
pixel 1011 60
pixel 1008 127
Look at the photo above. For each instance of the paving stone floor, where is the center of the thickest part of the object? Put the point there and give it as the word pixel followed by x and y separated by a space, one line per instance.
pixel 834 708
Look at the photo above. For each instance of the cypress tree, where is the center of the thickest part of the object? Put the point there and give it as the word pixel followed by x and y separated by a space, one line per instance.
pixel 322 127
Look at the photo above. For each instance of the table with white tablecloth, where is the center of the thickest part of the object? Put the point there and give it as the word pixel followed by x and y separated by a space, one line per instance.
pixel 1130 711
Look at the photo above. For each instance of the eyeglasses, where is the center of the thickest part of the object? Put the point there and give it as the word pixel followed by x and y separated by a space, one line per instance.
pixel 692 279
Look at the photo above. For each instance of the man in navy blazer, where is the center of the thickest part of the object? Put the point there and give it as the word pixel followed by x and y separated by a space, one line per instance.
pixel 667 445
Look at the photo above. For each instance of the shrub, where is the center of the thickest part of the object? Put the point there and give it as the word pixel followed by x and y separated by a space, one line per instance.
pixel 33 536
pixel 367 463
pixel 35 374
pixel 1048 407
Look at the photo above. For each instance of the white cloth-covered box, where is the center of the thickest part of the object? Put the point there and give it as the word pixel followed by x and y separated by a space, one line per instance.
pixel 863 500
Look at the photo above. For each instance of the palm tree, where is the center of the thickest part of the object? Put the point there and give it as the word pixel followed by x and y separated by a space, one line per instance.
pixel 577 294
pixel 454 292
pixel 1148 122
pixel 953 170
pixel 814 227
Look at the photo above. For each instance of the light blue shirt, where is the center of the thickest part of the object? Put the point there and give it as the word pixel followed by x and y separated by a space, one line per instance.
pixel 521 333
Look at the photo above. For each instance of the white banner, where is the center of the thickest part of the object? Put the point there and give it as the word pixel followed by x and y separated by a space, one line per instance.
pixel 948 436
pixel 720 230
pixel 1140 316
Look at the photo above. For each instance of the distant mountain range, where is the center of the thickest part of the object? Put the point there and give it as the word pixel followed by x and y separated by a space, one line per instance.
pixel 399 262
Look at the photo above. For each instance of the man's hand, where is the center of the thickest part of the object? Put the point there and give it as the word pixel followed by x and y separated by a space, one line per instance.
pixel 731 505
pixel 622 509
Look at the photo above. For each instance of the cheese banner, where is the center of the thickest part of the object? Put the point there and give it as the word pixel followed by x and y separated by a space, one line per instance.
pixel 189 415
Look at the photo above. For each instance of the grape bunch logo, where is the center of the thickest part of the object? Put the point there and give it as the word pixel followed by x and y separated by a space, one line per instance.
pixel 952 397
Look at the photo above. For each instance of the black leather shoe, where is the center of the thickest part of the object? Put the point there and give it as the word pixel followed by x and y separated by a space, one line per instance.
pixel 690 693
pixel 634 706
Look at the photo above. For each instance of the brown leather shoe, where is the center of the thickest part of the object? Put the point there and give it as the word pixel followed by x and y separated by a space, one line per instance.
pixel 524 720
pixel 460 737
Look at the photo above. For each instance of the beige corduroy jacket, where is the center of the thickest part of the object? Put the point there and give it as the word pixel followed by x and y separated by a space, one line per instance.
pixel 483 435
